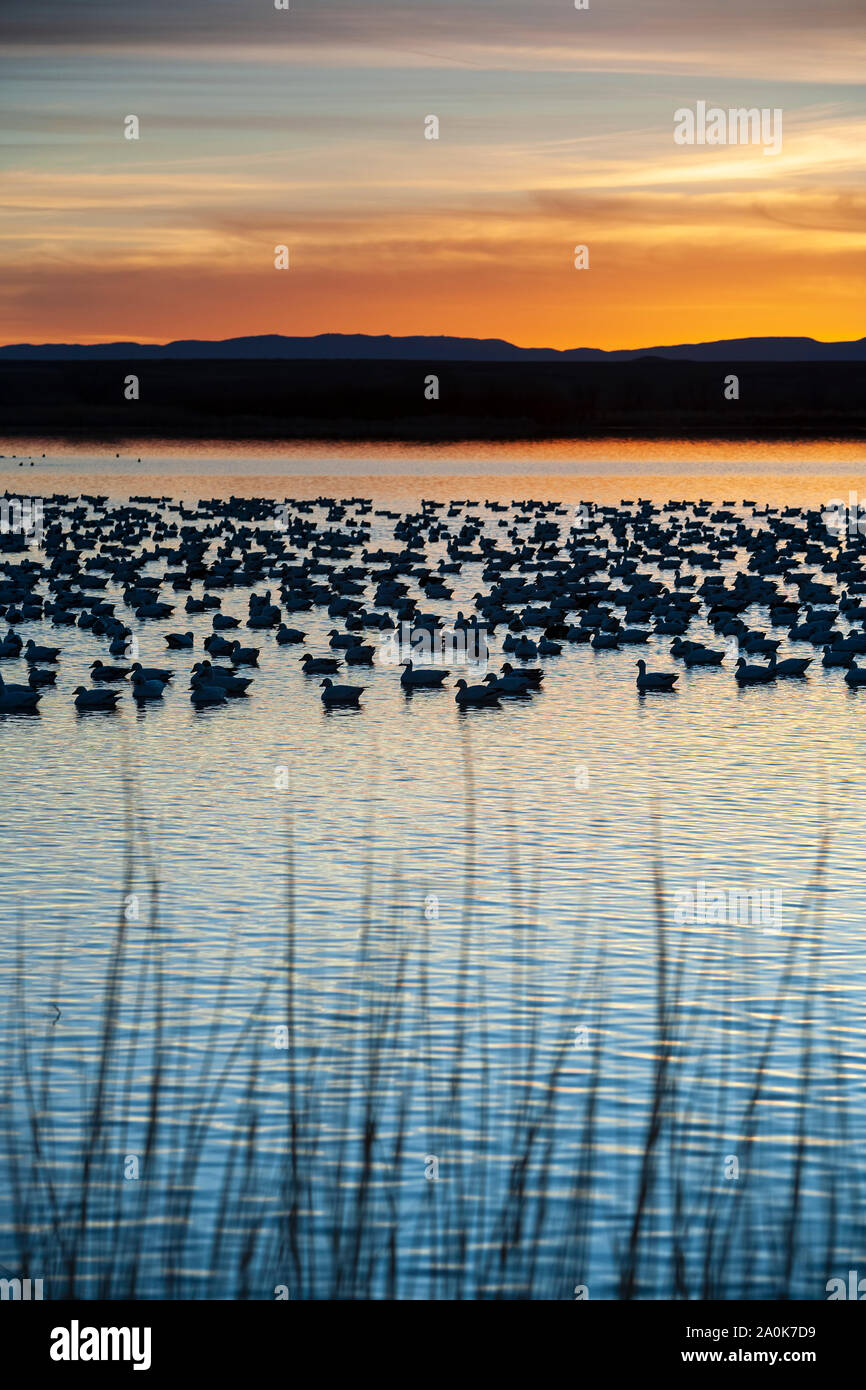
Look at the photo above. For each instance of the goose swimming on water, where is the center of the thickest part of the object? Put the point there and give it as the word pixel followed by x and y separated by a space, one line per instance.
pixel 340 694
pixel 361 654
pixel 791 666
pixel 203 673
pixel 151 673
pixel 421 677
pixel 753 675
pixel 244 656
pixel 202 694
pixel 38 678
pixel 109 674
pixel 835 656
pixel 475 695
pixel 95 699
pixel 37 654
pixel 18 697
pixel 218 646
pixel 507 685
pixel 143 689
pixel 319 665
pixel 533 674
pixel 655 680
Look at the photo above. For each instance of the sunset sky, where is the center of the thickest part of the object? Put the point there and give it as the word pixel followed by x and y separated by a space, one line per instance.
pixel 306 127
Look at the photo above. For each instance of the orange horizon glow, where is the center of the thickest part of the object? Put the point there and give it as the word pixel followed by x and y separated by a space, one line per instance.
pixel 543 147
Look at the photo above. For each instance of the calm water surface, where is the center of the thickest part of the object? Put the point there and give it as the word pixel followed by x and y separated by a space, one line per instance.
pixel 533 977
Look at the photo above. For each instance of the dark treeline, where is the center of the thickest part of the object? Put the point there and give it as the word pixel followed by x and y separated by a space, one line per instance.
pixel 387 399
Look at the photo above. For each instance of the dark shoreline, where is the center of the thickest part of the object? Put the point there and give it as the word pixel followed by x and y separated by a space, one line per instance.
pixel 385 400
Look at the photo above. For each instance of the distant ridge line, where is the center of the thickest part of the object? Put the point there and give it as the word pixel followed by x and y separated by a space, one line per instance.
pixel 384 347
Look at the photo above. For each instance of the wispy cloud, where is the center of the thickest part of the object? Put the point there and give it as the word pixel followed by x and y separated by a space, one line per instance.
pixel 306 127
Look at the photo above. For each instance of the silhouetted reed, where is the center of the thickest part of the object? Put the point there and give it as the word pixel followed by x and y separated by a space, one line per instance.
pixel 382 1155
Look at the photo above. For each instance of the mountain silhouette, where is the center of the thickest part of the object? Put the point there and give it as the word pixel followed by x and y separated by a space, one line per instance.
pixel 336 347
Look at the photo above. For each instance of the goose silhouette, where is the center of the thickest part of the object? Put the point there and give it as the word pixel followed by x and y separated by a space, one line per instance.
pixel 340 694
pixel 753 675
pixel 361 654
pixel 203 694
pixel 533 674
pixel 702 656
pixel 791 666
pixel 108 674
pixel 421 677
pixel 143 689
pixel 319 665
pixel 152 673
pixel 507 685
pixel 95 699
pixel 203 673
pixel 37 654
pixel 244 656
pixel 218 646
pixel 835 656
pixel 474 695
pixel 527 650
pixel 37 678
pixel 756 644
pixel 18 697
pixel 655 680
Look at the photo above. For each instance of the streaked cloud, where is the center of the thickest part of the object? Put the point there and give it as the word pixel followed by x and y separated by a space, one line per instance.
pixel 306 127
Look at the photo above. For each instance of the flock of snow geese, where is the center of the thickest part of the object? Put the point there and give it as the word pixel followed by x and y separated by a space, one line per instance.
pixel 546 575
